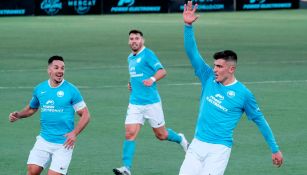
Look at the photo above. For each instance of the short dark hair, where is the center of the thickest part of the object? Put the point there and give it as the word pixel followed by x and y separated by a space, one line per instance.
pixel 227 55
pixel 135 31
pixel 55 57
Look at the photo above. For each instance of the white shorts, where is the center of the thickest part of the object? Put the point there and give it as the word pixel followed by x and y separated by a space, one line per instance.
pixel 205 159
pixel 43 153
pixel 137 114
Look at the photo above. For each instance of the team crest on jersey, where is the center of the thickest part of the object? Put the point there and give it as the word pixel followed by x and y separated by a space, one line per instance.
pixel 231 94
pixel 138 60
pixel 60 93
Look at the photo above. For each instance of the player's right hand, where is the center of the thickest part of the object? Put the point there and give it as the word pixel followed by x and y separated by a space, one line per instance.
pixel 13 116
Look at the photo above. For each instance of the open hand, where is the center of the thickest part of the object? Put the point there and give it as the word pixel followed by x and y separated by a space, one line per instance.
pixel 189 13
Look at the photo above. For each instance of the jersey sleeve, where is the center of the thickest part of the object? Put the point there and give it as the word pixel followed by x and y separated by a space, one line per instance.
pixel 253 112
pixel 34 102
pixel 202 70
pixel 77 100
pixel 154 62
pixel 251 107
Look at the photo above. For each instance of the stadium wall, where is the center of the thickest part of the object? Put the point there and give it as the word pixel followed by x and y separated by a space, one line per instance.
pixel 88 7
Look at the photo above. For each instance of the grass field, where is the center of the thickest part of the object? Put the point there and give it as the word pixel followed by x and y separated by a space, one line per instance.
pixel 271 46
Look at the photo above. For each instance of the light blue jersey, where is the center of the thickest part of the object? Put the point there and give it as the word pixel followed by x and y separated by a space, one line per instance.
pixel 141 67
pixel 221 107
pixel 57 109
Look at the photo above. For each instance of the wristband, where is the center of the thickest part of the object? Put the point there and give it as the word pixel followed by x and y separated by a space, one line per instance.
pixel 153 79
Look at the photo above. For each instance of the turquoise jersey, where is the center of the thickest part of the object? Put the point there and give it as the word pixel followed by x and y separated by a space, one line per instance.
pixel 56 106
pixel 221 107
pixel 141 67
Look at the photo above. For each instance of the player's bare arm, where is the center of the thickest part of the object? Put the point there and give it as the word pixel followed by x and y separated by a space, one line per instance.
pixel 161 73
pixel 189 13
pixel 26 112
pixel 72 136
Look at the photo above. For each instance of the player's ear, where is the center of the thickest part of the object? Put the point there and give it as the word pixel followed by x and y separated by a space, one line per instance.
pixel 232 69
pixel 48 70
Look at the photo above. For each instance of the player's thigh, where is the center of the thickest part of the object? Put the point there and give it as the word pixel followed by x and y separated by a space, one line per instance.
pixel 61 159
pixel 194 158
pixel 135 114
pixel 217 160
pixel 154 114
pixel 191 165
pixel 40 154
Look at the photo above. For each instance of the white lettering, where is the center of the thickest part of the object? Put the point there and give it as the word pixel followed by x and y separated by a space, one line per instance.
pixel 216 103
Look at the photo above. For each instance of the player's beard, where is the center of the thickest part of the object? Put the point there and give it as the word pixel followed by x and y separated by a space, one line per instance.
pixel 58 78
pixel 135 47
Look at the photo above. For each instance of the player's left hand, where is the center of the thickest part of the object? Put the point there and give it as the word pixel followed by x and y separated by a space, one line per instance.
pixel 71 139
pixel 189 13
pixel 148 82
pixel 277 159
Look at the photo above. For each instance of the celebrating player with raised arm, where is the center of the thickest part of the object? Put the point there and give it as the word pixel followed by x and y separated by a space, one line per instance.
pixel 222 103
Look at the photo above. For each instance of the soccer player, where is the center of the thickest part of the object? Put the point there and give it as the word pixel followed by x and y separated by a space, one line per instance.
pixel 145 104
pixel 222 103
pixel 58 101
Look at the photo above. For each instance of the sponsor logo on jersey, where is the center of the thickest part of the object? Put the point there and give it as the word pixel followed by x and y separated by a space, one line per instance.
pixel 50 102
pixel 219 97
pixel 216 100
pixel 49 106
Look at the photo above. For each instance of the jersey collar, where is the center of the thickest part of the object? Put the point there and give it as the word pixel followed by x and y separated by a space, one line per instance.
pixel 234 82
pixel 139 51
pixel 56 86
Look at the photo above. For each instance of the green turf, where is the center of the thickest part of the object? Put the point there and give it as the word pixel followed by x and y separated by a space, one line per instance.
pixel 272 62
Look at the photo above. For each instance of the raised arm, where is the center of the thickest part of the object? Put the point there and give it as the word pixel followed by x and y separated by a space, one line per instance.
pixel 189 39
pixel 26 112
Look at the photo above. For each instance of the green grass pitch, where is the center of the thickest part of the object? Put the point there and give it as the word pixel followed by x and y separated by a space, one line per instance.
pixel 271 46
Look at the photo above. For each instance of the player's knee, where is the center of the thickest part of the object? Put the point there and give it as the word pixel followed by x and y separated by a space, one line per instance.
pixel 161 136
pixel 130 135
pixel 34 170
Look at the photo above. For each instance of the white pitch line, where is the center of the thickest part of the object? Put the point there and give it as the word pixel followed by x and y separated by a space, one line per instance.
pixel 171 84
